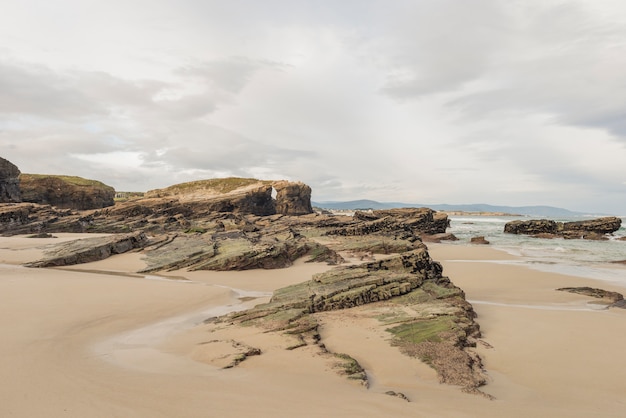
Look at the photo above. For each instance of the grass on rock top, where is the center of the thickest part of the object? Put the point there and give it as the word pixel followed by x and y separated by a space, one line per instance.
pixel 224 185
pixel 75 180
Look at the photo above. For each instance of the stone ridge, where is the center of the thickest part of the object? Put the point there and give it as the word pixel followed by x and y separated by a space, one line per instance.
pixel 351 286
pixel 427 315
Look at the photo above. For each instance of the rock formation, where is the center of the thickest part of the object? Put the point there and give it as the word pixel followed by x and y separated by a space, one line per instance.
pixel 531 227
pixel 9 182
pixel 90 249
pixel 479 240
pixel 197 227
pixel 233 195
pixel 66 192
pixel 599 226
pixel 607 298
pixel 292 198
pixel 14 217
pixel 241 195
pixel 425 314
pixel 589 229
pixel 406 221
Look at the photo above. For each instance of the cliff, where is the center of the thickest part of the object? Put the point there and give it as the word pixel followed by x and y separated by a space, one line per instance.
pixel 241 195
pixel 67 192
pixel 9 182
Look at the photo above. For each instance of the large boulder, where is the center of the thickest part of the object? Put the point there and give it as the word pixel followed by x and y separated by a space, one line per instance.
pixel 9 182
pixel 67 192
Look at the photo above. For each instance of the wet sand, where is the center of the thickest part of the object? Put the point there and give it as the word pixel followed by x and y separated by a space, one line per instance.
pixel 90 341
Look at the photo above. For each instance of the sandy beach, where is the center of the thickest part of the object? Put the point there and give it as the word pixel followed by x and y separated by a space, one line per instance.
pixel 98 340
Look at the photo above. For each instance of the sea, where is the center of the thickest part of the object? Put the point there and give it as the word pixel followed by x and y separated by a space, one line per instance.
pixel 577 257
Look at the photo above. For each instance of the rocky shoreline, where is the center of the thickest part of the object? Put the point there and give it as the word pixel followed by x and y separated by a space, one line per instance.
pixel 425 314
pixel 242 224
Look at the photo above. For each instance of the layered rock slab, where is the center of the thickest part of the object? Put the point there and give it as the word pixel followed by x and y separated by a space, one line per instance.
pixel 90 249
pixel 426 315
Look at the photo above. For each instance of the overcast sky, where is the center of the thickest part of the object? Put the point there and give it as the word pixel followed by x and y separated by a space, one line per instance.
pixel 512 102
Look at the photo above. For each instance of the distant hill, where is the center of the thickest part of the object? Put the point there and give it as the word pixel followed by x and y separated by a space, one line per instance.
pixel 535 211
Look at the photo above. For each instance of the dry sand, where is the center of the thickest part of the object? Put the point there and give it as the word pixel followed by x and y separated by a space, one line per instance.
pixel 91 341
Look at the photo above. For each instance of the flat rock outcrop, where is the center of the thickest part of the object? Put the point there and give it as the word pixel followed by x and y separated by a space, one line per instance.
pixel 545 228
pixel 205 240
pixel 277 247
pixel 607 298
pixel 90 249
pixel 9 182
pixel 66 192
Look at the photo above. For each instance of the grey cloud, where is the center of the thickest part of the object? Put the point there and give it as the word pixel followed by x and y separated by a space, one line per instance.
pixel 211 148
pixel 40 92
pixel 574 73
pixel 556 59
pixel 115 91
pixel 439 46
pixel 61 140
pixel 187 107
pixel 230 75
pixel 37 90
